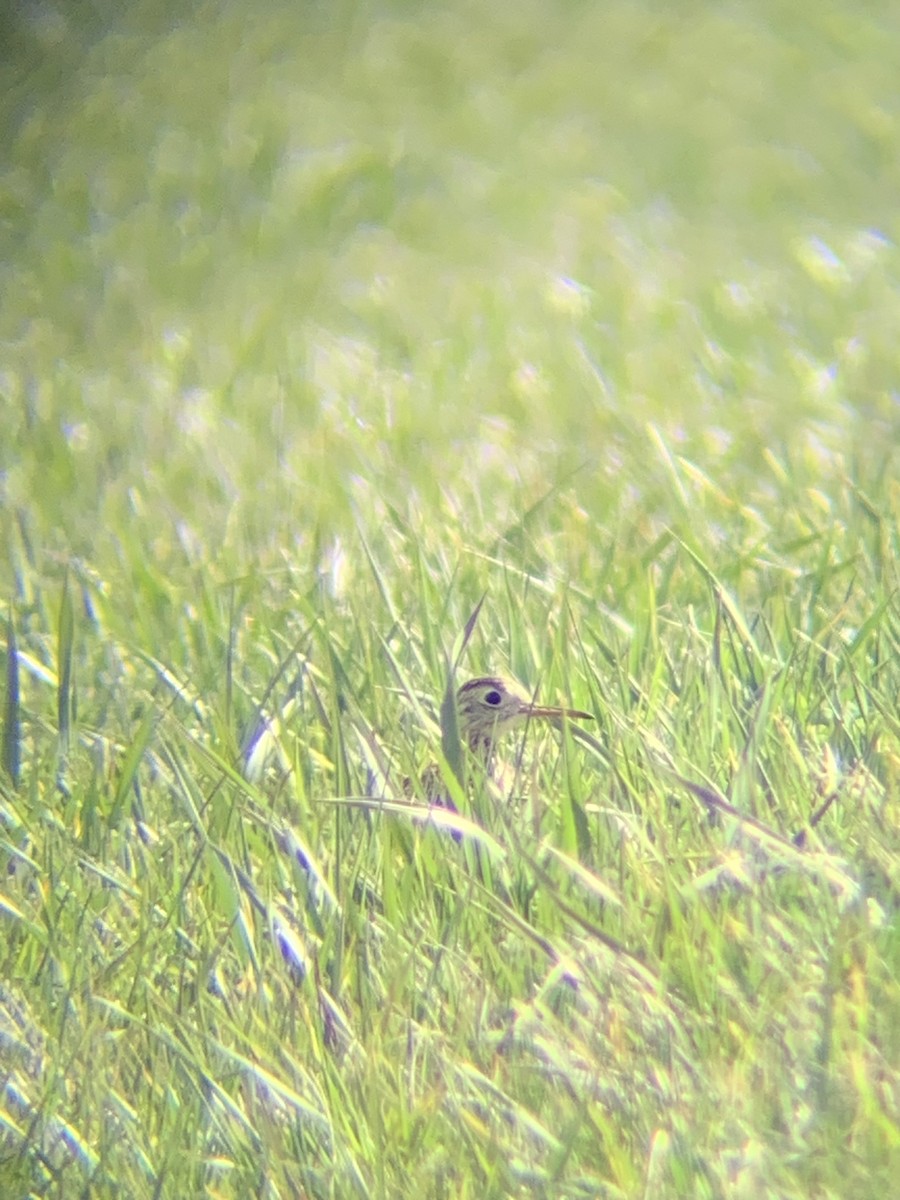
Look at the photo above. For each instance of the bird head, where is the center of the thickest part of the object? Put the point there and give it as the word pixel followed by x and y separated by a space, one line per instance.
pixel 490 706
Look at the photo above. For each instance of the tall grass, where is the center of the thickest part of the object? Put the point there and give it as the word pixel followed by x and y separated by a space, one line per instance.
pixel 322 327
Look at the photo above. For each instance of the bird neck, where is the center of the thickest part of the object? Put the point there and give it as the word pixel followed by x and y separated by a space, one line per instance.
pixel 482 746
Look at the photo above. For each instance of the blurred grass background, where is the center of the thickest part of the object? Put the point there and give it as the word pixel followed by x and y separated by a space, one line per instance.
pixel 319 322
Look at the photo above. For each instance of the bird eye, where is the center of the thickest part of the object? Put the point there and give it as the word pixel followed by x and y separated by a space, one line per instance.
pixel 492 698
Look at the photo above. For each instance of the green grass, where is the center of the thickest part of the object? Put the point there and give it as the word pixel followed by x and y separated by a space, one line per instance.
pixel 320 324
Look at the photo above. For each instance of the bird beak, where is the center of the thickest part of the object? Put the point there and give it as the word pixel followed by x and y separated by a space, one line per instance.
pixel 571 714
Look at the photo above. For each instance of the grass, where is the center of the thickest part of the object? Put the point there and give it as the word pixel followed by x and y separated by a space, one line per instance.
pixel 320 327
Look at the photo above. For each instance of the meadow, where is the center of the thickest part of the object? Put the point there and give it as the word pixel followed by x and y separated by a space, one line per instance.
pixel 350 351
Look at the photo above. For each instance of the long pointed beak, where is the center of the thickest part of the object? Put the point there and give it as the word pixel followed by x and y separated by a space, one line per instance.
pixel 541 710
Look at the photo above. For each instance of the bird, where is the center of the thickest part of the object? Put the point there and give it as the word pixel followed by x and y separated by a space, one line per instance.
pixel 487 708
pixel 490 706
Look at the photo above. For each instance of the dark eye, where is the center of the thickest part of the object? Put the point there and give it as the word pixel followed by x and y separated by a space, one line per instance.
pixel 492 698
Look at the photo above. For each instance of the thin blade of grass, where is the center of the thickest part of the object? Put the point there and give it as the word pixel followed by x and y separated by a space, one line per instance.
pixel 451 745
pixel 11 710
pixel 130 766
pixel 64 697
pixel 459 646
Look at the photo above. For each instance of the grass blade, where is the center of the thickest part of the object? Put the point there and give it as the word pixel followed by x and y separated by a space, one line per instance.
pixel 65 686
pixel 451 744
pixel 11 710
pixel 450 740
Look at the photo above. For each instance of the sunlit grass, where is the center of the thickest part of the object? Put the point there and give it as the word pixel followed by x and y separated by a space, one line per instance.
pixel 319 329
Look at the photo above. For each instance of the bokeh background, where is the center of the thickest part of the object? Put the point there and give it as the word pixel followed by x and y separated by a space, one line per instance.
pixel 268 270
